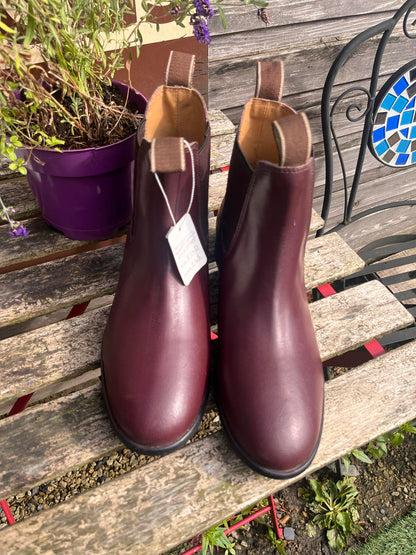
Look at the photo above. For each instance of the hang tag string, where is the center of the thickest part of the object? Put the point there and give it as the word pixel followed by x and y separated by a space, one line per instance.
pixel 188 146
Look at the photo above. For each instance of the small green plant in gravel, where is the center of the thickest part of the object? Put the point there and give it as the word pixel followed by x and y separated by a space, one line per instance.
pixel 336 510
pixel 275 541
pixel 216 537
pixel 379 446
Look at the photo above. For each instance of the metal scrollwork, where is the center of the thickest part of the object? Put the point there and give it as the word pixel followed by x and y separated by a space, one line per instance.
pixel 353 107
pixel 355 112
pixel 406 23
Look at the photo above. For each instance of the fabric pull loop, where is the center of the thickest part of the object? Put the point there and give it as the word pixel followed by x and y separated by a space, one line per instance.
pixel 167 155
pixel 155 155
pixel 180 69
pixel 270 79
pixel 293 138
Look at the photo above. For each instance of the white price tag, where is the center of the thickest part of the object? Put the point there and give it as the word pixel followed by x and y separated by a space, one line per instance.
pixel 186 248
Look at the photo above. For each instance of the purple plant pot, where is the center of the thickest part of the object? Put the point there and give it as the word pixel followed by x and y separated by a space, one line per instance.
pixel 86 193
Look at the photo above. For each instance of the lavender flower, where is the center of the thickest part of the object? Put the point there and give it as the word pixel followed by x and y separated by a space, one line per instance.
pixel 201 30
pixel 199 20
pixel 17 229
pixel 203 8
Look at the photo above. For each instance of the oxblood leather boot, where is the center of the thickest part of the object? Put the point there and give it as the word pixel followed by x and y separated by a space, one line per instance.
pixel 270 381
pixel 155 353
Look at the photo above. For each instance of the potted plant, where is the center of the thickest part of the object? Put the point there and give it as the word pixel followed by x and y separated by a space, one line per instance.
pixel 63 120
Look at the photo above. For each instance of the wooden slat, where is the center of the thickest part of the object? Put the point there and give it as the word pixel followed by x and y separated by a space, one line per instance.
pixel 32 292
pixel 342 322
pixel 17 193
pixel 289 13
pixel 220 124
pixel 222 141
pixel 44 243
pixel 232 80
pixel 329 255
pixel 356 316
pixel 51 354
pixel 190 490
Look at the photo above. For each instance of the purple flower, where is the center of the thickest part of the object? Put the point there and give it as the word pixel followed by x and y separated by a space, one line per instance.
pixel 199 20
pixel 203 8
pixel 201 30
pixel 17 229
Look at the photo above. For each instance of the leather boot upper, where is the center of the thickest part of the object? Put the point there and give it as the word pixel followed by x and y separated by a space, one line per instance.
pixel 156 343
pixel 270 378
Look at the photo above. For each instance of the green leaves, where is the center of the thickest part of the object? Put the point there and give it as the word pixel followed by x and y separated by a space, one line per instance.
pixel 361 456
pixel 216 537
pixel 335 508
pixel 379 446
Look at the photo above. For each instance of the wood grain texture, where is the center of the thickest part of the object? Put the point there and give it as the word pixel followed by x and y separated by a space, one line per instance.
pixel 17 193
pixel 61 283
pixel 329 255
pixel 39 290
pixel 292 12
pixel 51 354
pixel 190 490
pixel 259 38
pixel 44 440
pixel 231 80
pixel 356 316
pixel 220 123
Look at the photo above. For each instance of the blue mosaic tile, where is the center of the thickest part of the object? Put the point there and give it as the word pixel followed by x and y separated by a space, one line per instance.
pixel 381 148
pixel 392 123
pixel 407 117
pixel 411 103
pixel 401 85
pixel 400 104
pixel 379 134
pixel 388 102
pixel 402 146
pixel 393 137
pixel 402 159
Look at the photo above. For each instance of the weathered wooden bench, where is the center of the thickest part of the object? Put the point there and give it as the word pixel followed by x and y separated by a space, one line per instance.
pixel 157 506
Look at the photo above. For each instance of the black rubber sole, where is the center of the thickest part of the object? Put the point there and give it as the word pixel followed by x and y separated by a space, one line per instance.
pixel 256 467
pixel 158 450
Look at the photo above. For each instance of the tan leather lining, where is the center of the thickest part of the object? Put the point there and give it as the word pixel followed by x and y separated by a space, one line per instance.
pixel 256 132
pixel 176 112
pixel 293 139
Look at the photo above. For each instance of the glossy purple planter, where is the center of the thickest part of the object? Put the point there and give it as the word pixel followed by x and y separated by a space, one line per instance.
pixel 86 193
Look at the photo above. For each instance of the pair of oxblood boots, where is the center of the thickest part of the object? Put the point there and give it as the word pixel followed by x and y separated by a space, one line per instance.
pixel 156 347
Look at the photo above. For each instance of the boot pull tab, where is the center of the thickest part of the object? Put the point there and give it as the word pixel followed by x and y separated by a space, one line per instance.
pixel 180 69
pixel 293 138
pixel 167 155
pixel 270 78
